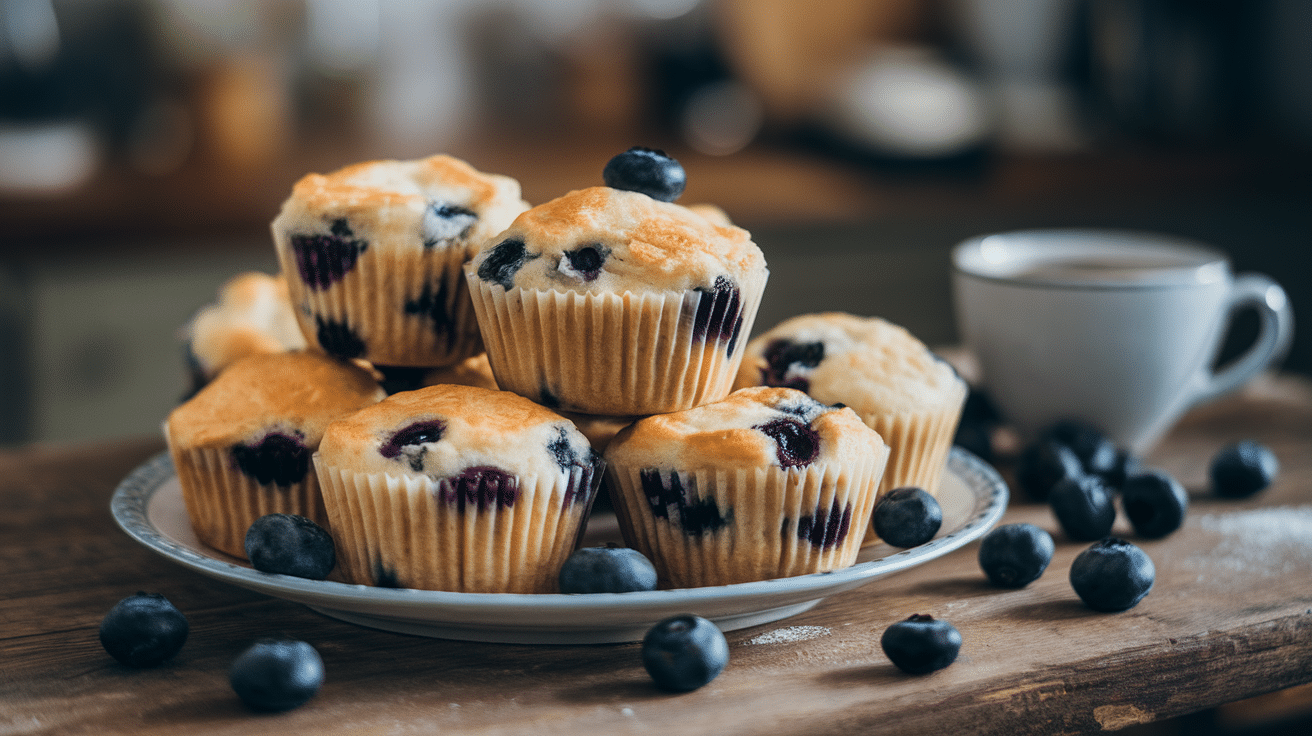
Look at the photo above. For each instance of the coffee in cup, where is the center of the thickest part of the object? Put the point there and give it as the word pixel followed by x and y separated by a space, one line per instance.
pixel 1116 329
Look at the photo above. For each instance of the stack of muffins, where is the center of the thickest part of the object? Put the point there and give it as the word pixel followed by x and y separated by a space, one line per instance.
pixel 472 368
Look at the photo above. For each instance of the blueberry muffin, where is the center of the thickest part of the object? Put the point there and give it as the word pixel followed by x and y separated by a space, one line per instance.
pixel 896 384
pixel 608 301
pixel 766 483
pixel 253 315
pixel 456 488
pixel 242 445
pixel 373 255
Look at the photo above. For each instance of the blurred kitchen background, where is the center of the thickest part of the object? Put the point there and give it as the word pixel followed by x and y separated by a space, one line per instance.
pixel 146 144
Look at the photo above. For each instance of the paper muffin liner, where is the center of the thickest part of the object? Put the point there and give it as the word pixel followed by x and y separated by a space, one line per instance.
pixel 615 354
pixel 222 502
pixel 919 444
pixel 396 310
pixel 719 527
pixel 409 532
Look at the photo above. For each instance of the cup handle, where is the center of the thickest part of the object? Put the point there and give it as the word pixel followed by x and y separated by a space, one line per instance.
pixel 1277 329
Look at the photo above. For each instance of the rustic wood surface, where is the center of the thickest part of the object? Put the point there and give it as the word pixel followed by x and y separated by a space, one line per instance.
pixel 1230 617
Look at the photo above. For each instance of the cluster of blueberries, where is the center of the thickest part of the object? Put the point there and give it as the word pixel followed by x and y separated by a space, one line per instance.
pixel 683 653
pixel 680 653
pixel 272 675
pixel 1078 471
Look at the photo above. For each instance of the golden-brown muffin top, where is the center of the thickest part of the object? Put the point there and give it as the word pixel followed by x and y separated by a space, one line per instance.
pixel 867 363
pixel 603 240
pixel 435 202
pixel 294 393
pixel 442 431
pixel 757 427
pixel 253 315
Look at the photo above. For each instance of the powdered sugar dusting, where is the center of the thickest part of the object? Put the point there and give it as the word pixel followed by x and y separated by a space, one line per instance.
pixel 790 635
pixel 1270 541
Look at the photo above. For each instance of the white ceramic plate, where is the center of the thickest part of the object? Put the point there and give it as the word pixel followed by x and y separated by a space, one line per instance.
pixel 148 506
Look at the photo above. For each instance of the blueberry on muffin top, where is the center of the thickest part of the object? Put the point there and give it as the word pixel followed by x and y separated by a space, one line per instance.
pixel 648 171
pixel 602 240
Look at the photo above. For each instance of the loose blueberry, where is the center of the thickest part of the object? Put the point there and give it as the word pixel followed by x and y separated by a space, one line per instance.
pixel 827 527
pixel 1015 555
pixel 1243 469
pixel 796 445
pixel 1084 507
pixel 1155 503
pixel 290 545
pixel 1112 575
pixel 921 644
pixel 790 364
pixel 1043 464
pixel 606 570
pixel 648 171
pixel 682 653
pixel 323 260
pixel 503 262
pixel 276 675
pixel 143 630
pixel 1096 452
pixel 907 517
pixel 444 224
pixel 276 459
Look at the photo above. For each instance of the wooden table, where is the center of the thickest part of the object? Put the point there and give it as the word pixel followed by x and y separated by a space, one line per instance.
pixel 1230 617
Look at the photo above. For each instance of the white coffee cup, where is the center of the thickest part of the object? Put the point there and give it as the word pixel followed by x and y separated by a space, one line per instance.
pixel 1118 329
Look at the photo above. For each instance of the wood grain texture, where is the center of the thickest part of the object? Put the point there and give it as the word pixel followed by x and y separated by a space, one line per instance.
pixel 1230 617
